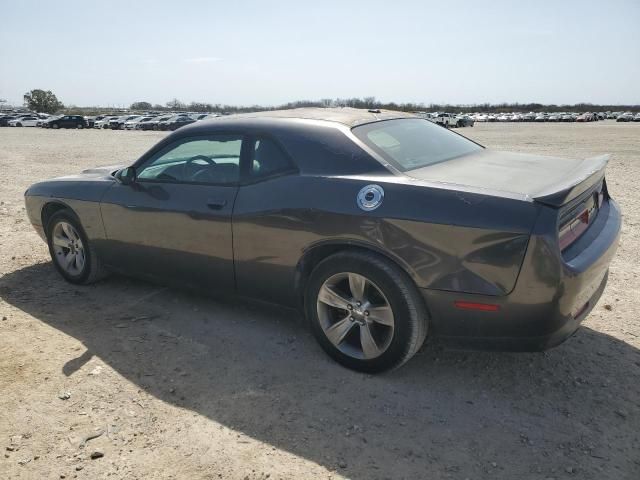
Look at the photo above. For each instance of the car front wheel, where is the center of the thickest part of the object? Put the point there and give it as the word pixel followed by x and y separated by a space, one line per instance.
pixel 72 254
pixel 365 312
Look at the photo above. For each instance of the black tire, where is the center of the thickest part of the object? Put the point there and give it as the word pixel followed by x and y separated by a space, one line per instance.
pixel 93 270
pixel 55 126
pixel 409 311
pixel 18 124
pixel 80 126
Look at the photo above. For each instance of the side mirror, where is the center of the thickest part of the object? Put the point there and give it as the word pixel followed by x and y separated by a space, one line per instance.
pixel 126 176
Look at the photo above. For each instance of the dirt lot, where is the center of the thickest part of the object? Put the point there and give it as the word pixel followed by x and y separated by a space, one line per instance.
pixel 188 387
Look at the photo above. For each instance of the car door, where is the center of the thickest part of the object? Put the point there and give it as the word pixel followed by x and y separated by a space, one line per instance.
pixel 174 221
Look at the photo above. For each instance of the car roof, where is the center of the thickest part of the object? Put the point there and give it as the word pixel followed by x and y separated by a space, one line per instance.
pixel 350 117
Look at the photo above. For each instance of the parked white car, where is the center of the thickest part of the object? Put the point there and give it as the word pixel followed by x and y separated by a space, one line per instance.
pixel 445 119
pixel 104 122
pixel 30 121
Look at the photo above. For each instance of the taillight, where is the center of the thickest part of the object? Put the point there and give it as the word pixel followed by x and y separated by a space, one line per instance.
pixel 485 307
pixel 578 220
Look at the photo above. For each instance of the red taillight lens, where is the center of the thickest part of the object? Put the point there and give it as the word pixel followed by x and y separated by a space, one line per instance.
pixel 572 230
pixel 584 217
pixel 580 221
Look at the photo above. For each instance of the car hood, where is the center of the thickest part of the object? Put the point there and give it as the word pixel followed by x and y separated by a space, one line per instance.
pixel 550 180
pixel 100 171
pixel 88 175
pixel 88 185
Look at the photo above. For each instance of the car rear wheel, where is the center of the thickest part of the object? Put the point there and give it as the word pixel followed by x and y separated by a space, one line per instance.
pixel 72 254
pixel 365 312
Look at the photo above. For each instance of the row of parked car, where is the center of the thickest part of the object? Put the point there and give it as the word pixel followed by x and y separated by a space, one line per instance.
pixel 464 120
pixel 173 121
pixel 628 117
pixel 150 121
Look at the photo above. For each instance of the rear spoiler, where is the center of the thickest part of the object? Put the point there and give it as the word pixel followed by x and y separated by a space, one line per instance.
pixel 587 174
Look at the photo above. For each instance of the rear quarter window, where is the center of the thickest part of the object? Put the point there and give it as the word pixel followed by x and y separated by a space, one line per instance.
pixel 267 159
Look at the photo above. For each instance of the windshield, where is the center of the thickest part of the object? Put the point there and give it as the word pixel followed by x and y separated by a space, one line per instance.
pixel 413 143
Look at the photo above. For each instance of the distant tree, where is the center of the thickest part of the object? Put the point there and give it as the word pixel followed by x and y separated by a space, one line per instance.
pixel 176 104
pixel 369 102
pixel 200 107
pixel 366 102
pixel 42 101
pixel 141 106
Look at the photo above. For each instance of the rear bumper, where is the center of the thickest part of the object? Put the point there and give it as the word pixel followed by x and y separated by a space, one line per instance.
pixel 533 341
pixel 552 296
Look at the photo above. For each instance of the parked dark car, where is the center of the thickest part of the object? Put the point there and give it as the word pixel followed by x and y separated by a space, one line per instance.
pixel 161 125
pixel 67 121
pixel 382 227
pixel 4 121
pixel 152 124
pixel 46 123
pixel 464 121
pixel 625 117
pixel 176 122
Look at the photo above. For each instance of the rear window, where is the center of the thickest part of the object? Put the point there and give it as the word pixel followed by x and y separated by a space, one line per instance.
pixel 413 143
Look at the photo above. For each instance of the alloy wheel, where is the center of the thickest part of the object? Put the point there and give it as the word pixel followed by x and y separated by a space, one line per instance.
pixel 355 315
pixel 68 248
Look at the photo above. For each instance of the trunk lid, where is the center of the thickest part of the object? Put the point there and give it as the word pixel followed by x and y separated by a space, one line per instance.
pixel 550 180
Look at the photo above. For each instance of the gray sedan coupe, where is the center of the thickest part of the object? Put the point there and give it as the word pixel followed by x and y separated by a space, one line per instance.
pixel 380 226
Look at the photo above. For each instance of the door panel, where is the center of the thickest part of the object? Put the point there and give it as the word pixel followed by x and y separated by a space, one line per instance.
pixel 178 233
pixel 174 222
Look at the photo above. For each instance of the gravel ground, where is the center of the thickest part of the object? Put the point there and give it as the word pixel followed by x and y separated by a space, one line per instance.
pixel 181 386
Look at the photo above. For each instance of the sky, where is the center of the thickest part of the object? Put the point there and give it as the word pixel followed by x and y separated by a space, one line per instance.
pixel 115 52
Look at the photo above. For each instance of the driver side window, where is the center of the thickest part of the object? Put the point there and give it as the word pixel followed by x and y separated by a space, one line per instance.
pixel 212 160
